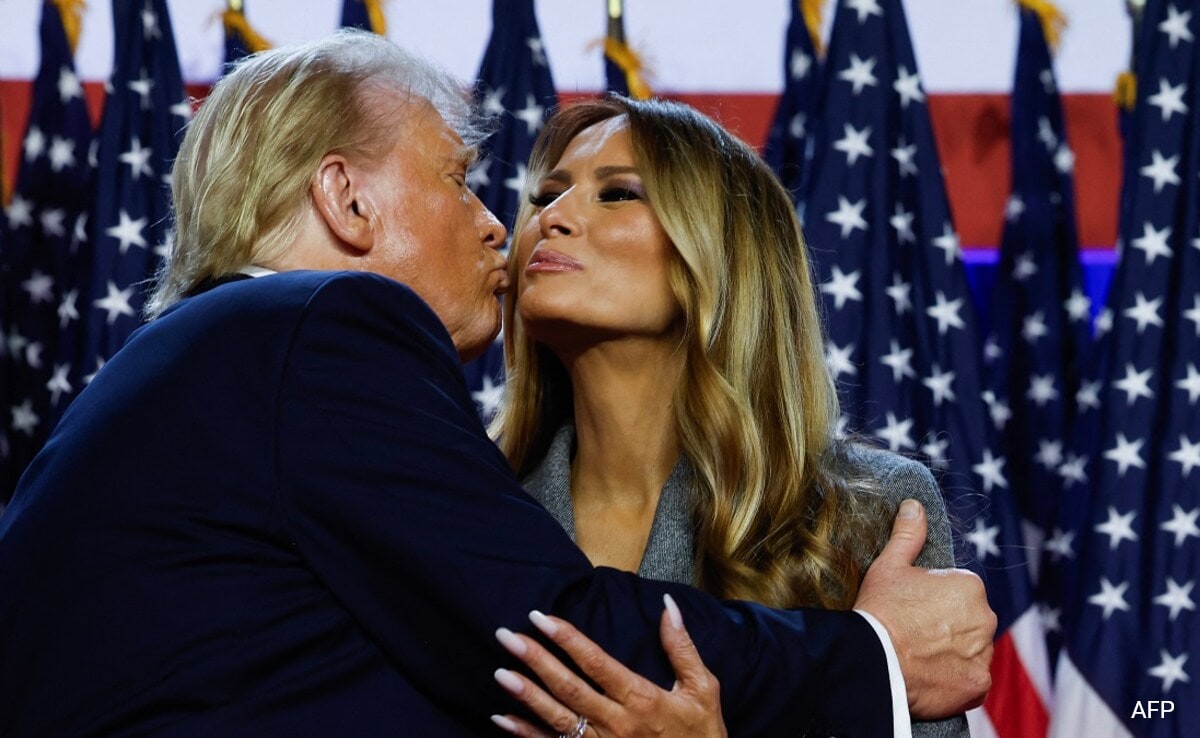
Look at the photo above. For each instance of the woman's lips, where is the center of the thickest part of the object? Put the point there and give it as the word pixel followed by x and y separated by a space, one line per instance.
pixel 549 260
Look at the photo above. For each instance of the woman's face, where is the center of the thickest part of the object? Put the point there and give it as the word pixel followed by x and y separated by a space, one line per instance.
pixel 593 258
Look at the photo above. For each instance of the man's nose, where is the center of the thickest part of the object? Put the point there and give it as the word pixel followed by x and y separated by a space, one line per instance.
pixel 493 231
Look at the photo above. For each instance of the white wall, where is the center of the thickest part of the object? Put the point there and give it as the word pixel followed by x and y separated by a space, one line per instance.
pixel 691 45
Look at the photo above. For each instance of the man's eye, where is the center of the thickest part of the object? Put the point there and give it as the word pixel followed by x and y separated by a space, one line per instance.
pixel 460 178
pixel 619 194
pixel 543 199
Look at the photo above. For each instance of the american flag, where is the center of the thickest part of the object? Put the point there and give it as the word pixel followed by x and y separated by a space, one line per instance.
pixel 1041 327
pixel 144 115
pixel 52 191
pixel 516 89
pixel 1132 636
pixel 614 76
pixel 364 14
pixel 902 340
pixel 787 145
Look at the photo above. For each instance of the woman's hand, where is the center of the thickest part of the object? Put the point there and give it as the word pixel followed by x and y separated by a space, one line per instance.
pixel 630 705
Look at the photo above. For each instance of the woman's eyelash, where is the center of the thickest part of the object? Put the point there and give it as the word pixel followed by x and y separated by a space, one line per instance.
pixel 619 194
pixel 542 200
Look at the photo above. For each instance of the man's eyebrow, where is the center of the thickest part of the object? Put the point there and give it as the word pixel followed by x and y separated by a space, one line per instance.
pixel 467 156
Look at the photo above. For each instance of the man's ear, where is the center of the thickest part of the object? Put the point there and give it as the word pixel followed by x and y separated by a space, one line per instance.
pixel 339 196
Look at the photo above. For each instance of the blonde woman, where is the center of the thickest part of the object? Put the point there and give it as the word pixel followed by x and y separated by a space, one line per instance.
pixel 668 399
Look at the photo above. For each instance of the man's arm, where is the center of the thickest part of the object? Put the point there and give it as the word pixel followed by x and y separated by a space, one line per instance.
pixel 412 518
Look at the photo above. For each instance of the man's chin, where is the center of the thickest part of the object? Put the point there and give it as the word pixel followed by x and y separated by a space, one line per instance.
pixel 472 349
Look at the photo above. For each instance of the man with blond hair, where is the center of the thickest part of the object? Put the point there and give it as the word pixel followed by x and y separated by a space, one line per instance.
pixel 274 512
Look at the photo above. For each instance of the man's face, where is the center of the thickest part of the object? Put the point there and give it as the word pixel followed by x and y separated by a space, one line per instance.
pixel 433 234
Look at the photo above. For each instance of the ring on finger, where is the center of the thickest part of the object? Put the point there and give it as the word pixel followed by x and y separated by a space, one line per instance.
pixel 581 726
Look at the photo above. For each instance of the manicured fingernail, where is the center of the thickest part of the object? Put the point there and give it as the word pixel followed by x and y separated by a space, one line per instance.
pixel 509 681
pixel 511 642
pixel 673 613
pixel 505 723
pixel 543 623
pixel 909 510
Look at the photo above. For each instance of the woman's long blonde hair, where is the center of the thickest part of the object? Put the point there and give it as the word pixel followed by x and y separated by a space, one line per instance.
pixel 756 407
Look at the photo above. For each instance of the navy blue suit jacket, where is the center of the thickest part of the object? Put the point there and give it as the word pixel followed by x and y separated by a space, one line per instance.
pixel 274 513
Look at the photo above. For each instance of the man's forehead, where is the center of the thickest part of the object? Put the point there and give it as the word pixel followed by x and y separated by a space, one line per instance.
pixel 427 131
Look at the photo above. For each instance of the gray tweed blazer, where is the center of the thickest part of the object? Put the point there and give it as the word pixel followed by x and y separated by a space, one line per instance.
pixel 669 551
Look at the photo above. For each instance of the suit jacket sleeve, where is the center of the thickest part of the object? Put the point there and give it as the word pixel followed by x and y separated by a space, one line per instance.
pixel 901 479
pixel 409 515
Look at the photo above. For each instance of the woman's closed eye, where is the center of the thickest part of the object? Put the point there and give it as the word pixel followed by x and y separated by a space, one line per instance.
pixel 542 199
pixel 619 194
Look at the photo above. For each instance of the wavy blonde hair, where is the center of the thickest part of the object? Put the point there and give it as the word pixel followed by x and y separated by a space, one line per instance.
pixel 777 522
pixel 246 161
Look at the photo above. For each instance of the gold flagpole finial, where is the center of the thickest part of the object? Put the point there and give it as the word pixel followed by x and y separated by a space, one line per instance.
pixel 1053 20
pixel 71 12
pixel 376 16
pixel 619 53
pixel 811 10
pixel 234 19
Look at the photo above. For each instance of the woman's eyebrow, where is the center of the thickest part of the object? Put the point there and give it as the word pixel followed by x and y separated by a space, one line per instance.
pixel 612 171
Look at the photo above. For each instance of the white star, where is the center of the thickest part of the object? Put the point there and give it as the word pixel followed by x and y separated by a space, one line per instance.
pixel 1177 597
pixel 1161 170
pixel 1041 389
pixel 940 384
pixel 848 216
pixel 1088 396
pixel 843 287
pixel 24 419
pixel 946 313
pixel 52 222
pixel 19 212
pixel 1014 208
pixel 33 355
pixel 1104 322
pixel 1078 305
pixel 128 231
pixel 16 343
pixel 898 434
pixel 138 159
pixel 859 74
pixel 1046 133
pixel 488 396
pixel 183 109
pixel 900 360
pixel 948 242
pixel 899 292
pixel 1049 453
pixel 838 359
pixel 39 286
pixel 87 379
pixel 1193 314
pixel 1034 327
pixel 1109 597
pixel 991 349
pixel 984 539
pixel 1118 527
pixel 1072 470
pixel 115 303
pixel 1145 312
pixel 1191 384
pixel 1170 670
pixel 909 87
pixel 902 222
pixel 1047 78
pixel 66 309
pixel 854 144
pixel 797 126
pixel 801 64
pixel 865 8
pixel 1050 618
pixel 997 409
pixel 1025 267
pixel 58 384
pixel 1153 242
pixel 537 49
pixel 1058 545
pixel 1126 453
pixel 531 114
pixel 62 153
pixel 1064 159
pixel 1182 524
pixel 1135 384
pixel 1169 99
pixel 905 156
pixel 1176 26
pixel 35 143
pixel 477 175
pixel 493 101
pixel 991 471
pixel 68 85
pixel 142 87
pixel 1188 455
pixel 935 447
pixel 150 23
pixel 516 182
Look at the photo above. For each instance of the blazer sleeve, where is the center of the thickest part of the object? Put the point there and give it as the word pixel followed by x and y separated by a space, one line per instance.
pixel 900 479
pixel 410 516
